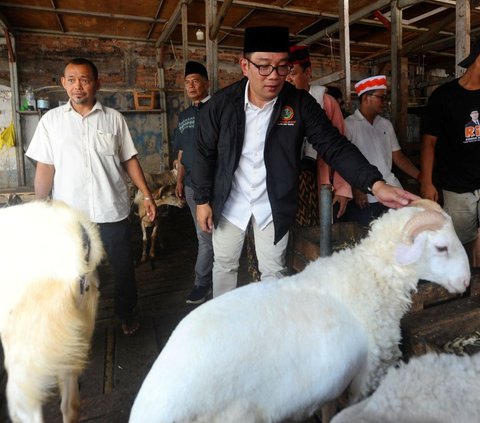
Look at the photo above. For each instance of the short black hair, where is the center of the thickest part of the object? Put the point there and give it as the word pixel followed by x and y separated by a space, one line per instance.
pixel 335 92
pixel 305 65
pixel 82 61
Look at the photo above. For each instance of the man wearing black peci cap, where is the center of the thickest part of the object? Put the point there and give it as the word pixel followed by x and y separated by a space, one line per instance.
pixel 451 137
pixel 196 87
pixel 248 153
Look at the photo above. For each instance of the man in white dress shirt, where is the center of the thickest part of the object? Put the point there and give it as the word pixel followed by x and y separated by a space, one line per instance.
pixel 248 157
pixel 84 154
pixel 375 138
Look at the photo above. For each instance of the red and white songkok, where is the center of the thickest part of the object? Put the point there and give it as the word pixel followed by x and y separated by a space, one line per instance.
pixel 378 82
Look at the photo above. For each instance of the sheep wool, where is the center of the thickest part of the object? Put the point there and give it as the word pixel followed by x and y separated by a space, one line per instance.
pixel 280 349
pixel 432 388
pixel 48 302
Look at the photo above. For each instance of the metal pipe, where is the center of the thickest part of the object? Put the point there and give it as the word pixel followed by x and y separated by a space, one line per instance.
pixel 325 208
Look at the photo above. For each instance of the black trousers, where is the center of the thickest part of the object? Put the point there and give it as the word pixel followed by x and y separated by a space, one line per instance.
pixel 117 241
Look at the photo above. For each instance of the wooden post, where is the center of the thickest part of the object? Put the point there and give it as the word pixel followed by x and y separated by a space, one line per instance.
pixel 163 107
pixel 19 151
pixel 212 45
pixel 343 12
pixel 396 42
pixel 462 34
pixel 185 48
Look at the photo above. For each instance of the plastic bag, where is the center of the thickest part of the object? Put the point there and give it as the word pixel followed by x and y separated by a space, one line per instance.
pixel 7 137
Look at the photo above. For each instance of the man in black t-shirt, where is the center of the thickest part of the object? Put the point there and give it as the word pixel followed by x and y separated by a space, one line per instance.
pixel 450 138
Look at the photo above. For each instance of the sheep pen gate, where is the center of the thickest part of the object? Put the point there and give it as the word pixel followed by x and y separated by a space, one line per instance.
pixel 437 320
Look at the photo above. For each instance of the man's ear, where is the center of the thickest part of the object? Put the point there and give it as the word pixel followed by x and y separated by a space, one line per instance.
pixel 308 71
pixel 244 65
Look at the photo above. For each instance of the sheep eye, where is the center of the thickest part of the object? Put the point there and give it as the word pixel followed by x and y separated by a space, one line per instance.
pixel 442 249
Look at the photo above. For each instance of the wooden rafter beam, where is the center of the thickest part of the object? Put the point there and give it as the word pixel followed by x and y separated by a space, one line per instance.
pixel 283 9
pixel 57 15
pixel 157 14
pixel 172 22
pixel 5 24
pixel 385 22
pixel 81 13
pixel 11 53
pixel 354 17
pixel 405 3
pixel 430 35
pixel 82 34
pixel 219 20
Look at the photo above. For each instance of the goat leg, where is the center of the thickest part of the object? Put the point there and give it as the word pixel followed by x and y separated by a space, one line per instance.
pixel 153 239
pixel 70 393
pixel 144 242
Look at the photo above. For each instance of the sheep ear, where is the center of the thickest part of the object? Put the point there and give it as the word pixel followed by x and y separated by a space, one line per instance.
pixel 410 253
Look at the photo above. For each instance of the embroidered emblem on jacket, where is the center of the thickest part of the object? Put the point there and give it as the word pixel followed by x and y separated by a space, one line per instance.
pixel 286 117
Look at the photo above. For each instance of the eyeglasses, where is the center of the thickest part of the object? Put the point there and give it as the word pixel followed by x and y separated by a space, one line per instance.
pixel 265 70
pixel 381 97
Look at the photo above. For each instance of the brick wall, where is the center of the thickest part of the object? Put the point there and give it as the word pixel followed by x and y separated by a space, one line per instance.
pixel 124 66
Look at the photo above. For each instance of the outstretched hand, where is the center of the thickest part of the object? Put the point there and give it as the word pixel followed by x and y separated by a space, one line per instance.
pixel 391 196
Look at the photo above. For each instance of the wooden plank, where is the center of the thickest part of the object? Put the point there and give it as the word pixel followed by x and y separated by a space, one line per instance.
pixel 440 324
pixel 430 293
pixel 91 382
pixel 131 362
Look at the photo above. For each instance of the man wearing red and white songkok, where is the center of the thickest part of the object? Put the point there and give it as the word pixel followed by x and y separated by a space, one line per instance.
pixel 375 138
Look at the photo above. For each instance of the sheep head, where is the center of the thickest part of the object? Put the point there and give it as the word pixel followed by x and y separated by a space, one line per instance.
pixel 429 241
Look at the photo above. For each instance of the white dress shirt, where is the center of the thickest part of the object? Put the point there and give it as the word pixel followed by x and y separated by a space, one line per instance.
pixel 248 195
pixel 377 142
pixel 87 153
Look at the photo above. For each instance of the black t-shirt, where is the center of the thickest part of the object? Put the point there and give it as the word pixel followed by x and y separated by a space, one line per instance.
pixel 450 117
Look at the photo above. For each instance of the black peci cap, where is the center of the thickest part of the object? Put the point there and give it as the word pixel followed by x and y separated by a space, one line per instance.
pixel 272 39
pixel 195 67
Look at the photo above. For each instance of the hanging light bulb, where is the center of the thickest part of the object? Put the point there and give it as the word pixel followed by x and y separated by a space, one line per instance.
pixel 199 34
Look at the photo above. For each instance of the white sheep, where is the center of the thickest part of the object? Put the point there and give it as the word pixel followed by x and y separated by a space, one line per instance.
pixel 432 388
pixel 48 301
pixel 279 350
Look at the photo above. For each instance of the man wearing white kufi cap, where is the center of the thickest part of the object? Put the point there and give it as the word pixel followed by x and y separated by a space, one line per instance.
pixel 376 139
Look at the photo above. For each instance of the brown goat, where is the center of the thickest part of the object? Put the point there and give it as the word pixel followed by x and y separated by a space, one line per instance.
pixel 162 195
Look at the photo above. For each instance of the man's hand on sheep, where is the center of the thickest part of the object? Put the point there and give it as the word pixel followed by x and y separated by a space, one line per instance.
pixel 391 196
pixel 205 217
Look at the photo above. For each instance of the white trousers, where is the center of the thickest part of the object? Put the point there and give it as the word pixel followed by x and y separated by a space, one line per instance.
pixel 228 242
